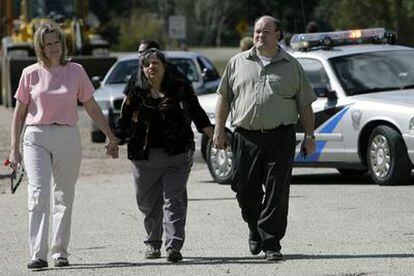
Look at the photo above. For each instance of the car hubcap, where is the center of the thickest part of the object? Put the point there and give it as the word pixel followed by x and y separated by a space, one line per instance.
pixel 380 156
pixel 221 162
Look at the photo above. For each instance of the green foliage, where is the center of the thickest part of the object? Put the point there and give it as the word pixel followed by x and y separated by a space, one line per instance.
pixel 394 15
pixel 213 22
pixel 137 27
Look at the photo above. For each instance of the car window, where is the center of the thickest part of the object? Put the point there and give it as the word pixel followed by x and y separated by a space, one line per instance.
pixel 122 71
pixel 375 72
pixel 315 72
pixel 187 66
pixel 207 64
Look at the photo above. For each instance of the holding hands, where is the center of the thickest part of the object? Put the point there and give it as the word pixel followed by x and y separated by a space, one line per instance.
pixel 112 148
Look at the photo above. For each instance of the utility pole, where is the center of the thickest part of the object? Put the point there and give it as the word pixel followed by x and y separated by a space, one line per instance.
pixel 302 8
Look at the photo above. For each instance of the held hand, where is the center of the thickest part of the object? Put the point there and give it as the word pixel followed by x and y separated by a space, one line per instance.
pixel 209 131
pixel 308 146
pixel 15 158
pixel 112 150
pixel 220 139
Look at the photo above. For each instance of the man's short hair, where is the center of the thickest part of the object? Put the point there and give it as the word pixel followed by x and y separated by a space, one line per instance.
pixel 149 44
pixel 312 27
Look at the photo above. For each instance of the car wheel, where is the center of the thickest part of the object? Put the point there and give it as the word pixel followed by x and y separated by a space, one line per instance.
pixel 98 136
pixel 387 157
pixel 220 163
pixel 352 172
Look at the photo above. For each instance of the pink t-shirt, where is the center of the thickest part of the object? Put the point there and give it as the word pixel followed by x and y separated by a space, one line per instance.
pixel 52 94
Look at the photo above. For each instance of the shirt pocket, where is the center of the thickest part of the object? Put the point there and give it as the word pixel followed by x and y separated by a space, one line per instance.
pixel 281 87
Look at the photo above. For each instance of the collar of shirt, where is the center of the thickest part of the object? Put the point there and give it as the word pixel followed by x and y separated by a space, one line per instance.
pixel 281 55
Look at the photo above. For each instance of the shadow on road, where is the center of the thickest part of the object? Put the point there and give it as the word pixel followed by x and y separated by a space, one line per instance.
pixel 226 260
pixel 347 256
pixel 330 179
pixel 212 199
pixel 336 179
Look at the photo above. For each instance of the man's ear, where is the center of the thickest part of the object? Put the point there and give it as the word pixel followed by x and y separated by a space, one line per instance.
pixel 281 35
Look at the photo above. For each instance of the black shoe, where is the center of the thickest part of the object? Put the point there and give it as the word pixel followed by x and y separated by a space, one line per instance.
pixel 37 263
pixel 61 262
pixel 174 255
pixel 255 243
pixel 152 252
pixel 271 255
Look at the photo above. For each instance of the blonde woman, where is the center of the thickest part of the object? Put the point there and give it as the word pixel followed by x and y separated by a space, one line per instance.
pixel 46 101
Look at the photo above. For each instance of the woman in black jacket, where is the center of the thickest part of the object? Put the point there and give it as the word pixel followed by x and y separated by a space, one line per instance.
pixel 156 122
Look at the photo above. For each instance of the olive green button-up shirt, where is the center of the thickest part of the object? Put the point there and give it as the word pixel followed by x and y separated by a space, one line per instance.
pixel 264 97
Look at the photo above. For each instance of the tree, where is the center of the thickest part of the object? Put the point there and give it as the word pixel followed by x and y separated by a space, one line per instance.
pixel 394 15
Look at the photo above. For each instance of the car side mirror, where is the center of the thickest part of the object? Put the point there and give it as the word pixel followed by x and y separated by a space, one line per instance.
pixel 209 74
pixel 96 81
pixel 323 90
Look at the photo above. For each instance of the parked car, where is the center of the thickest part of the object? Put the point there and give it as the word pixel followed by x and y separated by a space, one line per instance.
pixel 198 69
pixel 365 108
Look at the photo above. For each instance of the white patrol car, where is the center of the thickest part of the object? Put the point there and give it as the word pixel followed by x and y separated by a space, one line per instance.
pixel 364 114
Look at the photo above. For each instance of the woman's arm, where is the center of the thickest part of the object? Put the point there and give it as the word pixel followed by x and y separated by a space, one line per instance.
pixel 19 116
pixel 96 114
pixel 194 110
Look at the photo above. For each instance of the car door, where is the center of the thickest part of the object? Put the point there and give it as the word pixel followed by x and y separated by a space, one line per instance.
pixel 328 129
pixel 211 77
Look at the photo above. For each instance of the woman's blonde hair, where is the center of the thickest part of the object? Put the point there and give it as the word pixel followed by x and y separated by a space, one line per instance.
pixel 39 40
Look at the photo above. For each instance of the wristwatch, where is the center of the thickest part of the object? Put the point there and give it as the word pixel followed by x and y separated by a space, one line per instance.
pixel 310 136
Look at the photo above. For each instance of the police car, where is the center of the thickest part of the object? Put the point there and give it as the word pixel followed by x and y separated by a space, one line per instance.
pixel 364 114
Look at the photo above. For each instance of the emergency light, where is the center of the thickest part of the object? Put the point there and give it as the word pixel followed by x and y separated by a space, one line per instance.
pixel 327 40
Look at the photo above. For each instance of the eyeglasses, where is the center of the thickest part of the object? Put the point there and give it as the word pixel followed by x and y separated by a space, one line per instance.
pixel 16 178
pixel 265 31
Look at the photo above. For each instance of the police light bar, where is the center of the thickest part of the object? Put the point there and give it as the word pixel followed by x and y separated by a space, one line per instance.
pixel 327 40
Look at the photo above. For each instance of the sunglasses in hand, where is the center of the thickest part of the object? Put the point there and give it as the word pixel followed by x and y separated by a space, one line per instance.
pixel 16 177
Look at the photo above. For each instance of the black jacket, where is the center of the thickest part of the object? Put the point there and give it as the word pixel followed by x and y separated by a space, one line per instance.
pixel 178 109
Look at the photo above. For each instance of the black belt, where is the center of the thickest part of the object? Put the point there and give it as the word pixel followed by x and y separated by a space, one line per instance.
pixel 262 131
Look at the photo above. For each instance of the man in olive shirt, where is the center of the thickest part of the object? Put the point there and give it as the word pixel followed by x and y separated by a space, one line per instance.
pixel 267 91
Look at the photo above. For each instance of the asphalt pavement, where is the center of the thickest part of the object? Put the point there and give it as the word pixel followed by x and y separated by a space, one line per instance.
pixel 336 226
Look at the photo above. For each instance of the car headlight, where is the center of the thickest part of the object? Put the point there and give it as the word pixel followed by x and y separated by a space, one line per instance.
pixel 412 123
pixel 104 105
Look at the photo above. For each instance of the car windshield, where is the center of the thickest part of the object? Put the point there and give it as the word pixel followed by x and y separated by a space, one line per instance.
pixel 44 8
pixel 186 66
pixel 375 71
pixel 123 71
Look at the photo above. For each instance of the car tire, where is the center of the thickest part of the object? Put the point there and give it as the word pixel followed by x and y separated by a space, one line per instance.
pixel 98 136
pixel 352 172
pixel 220 163
pixel 387 157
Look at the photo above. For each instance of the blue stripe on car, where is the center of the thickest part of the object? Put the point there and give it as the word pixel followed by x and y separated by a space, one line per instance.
pixel 320 145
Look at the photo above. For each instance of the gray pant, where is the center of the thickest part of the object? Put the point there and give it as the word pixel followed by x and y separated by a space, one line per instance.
pixel 160 187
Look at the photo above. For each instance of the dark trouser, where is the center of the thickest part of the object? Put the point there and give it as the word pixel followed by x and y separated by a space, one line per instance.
pixel 160 186
pixel 262 174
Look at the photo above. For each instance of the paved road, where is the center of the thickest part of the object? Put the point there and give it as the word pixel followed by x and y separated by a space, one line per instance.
pixel 347 228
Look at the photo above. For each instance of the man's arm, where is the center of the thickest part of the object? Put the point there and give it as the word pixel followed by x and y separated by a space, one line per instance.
pixel 307 118
pixel 220 138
